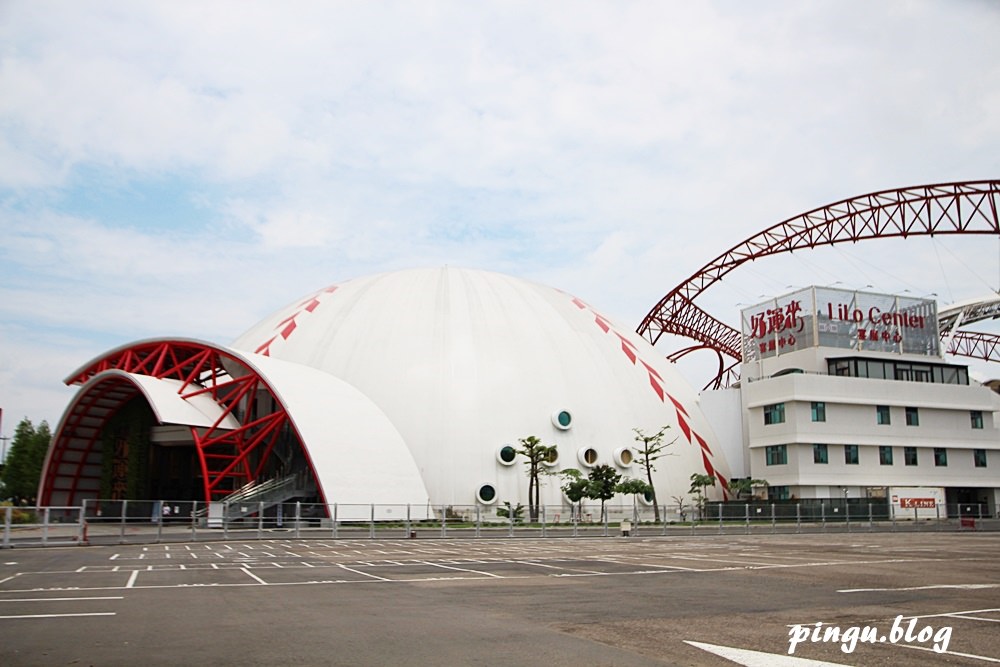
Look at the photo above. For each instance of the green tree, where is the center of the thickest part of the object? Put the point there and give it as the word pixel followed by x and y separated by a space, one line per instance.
pixel 745 486
pixel 574 486
pixel 699 483
pixel 651 448
pixel 537 454
pixel 633 487
pixel 508 512
pixel 603 484
pixel 23 468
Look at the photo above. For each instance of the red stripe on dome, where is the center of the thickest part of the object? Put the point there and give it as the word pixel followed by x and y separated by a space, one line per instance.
pixel 651 370
pixel 684 426
pixel 702 443
pixel 265 349
pixel 677 404
pixel 656 387
pixel 709 469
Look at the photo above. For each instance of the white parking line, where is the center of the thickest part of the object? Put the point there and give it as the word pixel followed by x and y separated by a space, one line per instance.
pixel 95 613
pixel 253 576
pixel 462 569
pixel 367 574
pixel 919 588
pixel 103 597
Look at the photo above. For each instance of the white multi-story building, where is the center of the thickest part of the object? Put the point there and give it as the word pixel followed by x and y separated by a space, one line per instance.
pixel 847 394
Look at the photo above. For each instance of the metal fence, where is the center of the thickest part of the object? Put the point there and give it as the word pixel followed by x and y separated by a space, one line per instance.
pixel 144 522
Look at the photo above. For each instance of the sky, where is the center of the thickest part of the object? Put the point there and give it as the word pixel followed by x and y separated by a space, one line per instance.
pixel 186 168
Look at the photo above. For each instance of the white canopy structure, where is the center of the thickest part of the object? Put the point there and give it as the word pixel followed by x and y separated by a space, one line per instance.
pixel 405 387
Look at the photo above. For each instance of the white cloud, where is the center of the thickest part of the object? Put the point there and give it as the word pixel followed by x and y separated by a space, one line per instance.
pixel 610 149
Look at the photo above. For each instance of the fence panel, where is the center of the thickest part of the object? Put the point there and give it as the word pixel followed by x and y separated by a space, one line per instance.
pixel 146 521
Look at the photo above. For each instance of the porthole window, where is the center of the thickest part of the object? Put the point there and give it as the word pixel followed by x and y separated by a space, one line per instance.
pixel 624 457
pixel 646 497
pixel 553 458
pixel 588 457
pixel 487 494
pixel 507 455
pixel 562 419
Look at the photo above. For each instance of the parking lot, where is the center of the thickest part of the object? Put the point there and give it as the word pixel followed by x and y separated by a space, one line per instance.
pixel 719 600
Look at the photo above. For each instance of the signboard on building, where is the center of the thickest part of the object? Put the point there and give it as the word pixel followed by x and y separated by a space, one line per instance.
pixel 917 502
pixel 845 319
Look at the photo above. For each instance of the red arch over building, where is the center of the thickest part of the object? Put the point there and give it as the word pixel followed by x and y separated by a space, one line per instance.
pixel 232 448
pixel 948 208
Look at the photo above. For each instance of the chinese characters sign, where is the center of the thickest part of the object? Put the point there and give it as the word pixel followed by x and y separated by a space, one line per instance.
pixel 820 316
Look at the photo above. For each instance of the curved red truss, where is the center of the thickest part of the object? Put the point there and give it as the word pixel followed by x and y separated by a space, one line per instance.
pixel 975 344
pixel 926 210
pixel 229 457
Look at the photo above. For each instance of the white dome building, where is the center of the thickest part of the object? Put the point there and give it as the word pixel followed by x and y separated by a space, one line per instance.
pixel 407 387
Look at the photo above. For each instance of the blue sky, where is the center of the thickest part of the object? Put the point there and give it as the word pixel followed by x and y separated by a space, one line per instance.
pixel 185 168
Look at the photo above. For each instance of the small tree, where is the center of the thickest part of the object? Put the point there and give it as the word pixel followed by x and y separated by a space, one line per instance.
pixel 680 507
pixel 514 513
pixel 698 484
pixel 574 486
pixel 536 453
pixel 633 487
pixel 603 484
pixel 745 485
pixel 651 448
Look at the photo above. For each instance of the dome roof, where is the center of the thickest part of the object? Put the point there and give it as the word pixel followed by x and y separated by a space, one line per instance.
pixel 463 362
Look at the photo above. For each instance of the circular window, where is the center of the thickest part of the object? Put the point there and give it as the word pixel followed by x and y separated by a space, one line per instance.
pixel 624 457
pixel 487 494
pixel 646 497
pixel 588 456
pixel 562 419
pixel 507 455
pixel 552 458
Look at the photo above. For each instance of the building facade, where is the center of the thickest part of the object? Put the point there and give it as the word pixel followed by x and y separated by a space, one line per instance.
pixel 846 394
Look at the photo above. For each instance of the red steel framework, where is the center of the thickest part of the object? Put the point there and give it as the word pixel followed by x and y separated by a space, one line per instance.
pixel 947 208
pixel 229 457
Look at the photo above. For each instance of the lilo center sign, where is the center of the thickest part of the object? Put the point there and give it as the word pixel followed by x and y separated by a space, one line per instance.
pixel 844 319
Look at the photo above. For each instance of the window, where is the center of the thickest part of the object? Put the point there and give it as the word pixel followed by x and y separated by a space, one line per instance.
pixel 898 370
pixel 486 494
pixel 851 454
pixel 774 414
pixel 910 456
pixel 820 455
pixel 778 493
pixel 885 455
pixel 979 456
pixel 912 417
pixel 882 414
pixel 977 418
pixel 506 455
pixel 818 411
pixel 940 456
pixel 777 455
pixel 562 419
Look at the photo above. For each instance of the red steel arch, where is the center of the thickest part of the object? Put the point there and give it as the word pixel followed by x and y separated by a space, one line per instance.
pixel 229 457
pixel 969 207
pixel 975 344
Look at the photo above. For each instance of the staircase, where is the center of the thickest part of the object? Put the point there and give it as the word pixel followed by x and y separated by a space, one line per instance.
pixel 257 496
